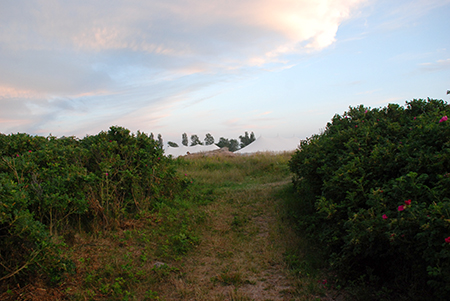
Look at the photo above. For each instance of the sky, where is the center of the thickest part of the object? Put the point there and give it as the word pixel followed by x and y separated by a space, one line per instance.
pixel 272 67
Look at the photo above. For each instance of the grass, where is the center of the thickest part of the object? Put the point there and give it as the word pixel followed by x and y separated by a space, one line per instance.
pixel 231 238
pixel 251 249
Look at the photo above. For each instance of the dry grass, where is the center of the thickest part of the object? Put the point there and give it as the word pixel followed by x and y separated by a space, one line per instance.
pixel 247 249
pixel 246 237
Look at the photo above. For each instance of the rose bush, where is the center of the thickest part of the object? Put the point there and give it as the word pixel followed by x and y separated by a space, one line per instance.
pixel 51 186
pixel 374 189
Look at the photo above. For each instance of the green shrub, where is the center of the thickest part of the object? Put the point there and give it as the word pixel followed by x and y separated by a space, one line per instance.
pixel 49 186
pixel 374 189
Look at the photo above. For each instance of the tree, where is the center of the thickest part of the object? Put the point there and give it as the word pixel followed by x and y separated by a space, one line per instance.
pixel 172 144
pixel 209 139
pixel 184 139
pixel 233 144
pixel 195 140
pixel 160 141
pixel 246 139
pixel 223 142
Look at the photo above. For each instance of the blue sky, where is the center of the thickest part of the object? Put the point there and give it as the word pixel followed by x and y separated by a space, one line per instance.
pixel 274 67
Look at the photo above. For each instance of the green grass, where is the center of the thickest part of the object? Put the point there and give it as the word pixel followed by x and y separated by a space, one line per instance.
pixel 219 172
pixel 232 226
pixel 243 192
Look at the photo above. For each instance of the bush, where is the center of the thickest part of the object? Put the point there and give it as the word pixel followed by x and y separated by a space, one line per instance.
pixel 375 188
pixel 51 186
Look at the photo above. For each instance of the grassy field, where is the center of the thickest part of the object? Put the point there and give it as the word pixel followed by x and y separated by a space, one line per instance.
pixel 250 249
pixel 229 238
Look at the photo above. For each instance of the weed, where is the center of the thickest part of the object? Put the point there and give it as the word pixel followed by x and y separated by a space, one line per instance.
pixel 151 295
pixel 231 278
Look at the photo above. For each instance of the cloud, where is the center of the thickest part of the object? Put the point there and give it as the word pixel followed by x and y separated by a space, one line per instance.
pixel 368 92
pixel 108 58
pixel 436 66
pixel 406 13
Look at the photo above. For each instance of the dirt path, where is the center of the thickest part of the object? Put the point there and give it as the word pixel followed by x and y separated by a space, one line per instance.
pixel 241 253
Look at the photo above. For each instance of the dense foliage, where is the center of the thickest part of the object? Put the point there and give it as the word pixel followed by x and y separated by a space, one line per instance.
pixel 374 189
pixel 51 187
pixel 246 139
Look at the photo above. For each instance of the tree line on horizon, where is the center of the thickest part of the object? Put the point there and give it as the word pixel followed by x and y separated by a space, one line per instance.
pixel 231 144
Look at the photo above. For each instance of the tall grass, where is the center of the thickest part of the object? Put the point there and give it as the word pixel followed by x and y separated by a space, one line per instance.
pixel 238 170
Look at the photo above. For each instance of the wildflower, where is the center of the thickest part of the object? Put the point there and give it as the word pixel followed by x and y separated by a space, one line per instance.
pixel 106 173
pixel 185 175
pixel 401 207
pixel 384 216
pixel 356 126
pixel 414 118
pixel 29 151
pixel 408 202
pixel 447 240
pixel 443 119
pixel 365 112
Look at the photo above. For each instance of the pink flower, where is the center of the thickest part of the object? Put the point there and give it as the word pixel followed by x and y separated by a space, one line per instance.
pixel 447 240
pixel 29 151
pixel 414 118
pixel 443 119
pixel 356 126
pixel 384 216
pixel 106 173
pixel 401 207
pixel 408 202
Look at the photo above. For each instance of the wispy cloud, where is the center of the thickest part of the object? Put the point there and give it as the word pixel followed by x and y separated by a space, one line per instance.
pixel 436 66
pixel 406 13
pixel 72 60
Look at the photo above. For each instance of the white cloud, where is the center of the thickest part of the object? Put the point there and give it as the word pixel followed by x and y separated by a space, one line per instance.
pixel 436 66
pixel 123 50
